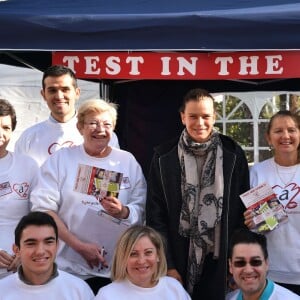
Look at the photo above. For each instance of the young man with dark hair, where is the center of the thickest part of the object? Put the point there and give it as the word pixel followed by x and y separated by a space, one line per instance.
pixel 60 91
pixel 248 263
pixel 36 242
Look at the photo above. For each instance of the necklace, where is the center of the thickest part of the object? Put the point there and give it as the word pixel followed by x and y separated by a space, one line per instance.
pixel 295 169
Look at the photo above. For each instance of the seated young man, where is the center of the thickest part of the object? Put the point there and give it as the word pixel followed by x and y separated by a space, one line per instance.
pixel 36 242
pixel 248 263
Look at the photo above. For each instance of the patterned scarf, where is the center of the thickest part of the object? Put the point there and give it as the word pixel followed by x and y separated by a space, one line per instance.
pixel 202 200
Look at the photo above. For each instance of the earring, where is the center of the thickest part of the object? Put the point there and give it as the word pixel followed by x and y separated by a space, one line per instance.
pixel 271 147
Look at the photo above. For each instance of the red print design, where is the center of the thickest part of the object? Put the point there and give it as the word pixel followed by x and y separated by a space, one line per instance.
pixel 56 146
pixel 21 189
pixel 288 195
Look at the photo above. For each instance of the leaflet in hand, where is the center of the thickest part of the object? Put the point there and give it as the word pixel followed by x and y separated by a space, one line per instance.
pixel 99 228
pixel 97 182
pixel 267 211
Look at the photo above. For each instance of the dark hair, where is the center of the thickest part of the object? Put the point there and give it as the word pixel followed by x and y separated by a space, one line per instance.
pixel 37 218
pixel 283 113
pixel 245 236
pixel 59 70
pixel 6 109
pixel 195 95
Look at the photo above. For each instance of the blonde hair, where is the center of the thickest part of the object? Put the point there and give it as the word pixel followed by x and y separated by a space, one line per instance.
pixel 97 106
pixel 125 246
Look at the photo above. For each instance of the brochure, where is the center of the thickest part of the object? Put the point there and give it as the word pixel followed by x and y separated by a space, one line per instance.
pixel 97 182
pixel 266 209
pixel 99 228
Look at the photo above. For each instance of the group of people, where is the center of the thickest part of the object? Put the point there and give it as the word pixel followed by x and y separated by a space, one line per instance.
pixel 182 240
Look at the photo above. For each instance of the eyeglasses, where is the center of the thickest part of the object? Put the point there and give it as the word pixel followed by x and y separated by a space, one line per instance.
pixel 255 262
pixel 95 124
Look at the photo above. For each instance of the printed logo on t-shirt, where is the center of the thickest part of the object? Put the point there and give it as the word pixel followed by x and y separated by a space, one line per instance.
pixel 57 146
pixel 289 196
pixel 125 184
pixel 21 189
pixel 5 188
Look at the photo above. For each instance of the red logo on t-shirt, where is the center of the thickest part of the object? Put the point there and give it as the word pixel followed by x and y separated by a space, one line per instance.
pixel 21 189
pixel 56 146
pixel 288 195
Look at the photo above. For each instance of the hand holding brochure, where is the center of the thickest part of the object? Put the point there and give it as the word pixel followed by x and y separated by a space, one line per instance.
pixel 267 211
pixel 97 182
pixel 99 228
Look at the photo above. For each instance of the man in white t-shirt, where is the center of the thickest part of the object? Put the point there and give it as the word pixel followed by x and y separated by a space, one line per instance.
pixel 36 242
pixel 60 91
pixel 248 263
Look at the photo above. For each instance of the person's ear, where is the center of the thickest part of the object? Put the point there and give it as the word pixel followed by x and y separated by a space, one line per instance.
pixel 215 117
pixel 79 127
pixel 267 263
pixel 43 94
pixel 16 249
pixel 77 93
pixel 230 265
pixel 267 138
pixel 182 116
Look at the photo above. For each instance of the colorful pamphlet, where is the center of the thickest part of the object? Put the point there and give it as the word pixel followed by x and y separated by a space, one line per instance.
pixel 267 211
pixel 97 182
pixel 109 229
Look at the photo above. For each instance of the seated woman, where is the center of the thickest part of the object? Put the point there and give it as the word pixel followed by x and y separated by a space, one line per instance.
pixel 139 269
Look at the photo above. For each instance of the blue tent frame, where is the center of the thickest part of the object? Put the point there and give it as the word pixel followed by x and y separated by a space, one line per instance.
pixel 149 25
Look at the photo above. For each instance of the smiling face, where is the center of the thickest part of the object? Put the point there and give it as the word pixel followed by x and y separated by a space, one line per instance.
pixel 199 118
pixel 61 94
pixel 250 279
pixel 284 136
pixel 37 251
pixel 96 130
pixel 142 263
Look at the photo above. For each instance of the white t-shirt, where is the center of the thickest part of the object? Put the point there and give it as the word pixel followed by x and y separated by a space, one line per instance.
pixel 17 178
pixel 167 288
pixel 55 192
pixel 63 287
pixel 44 138
pixel 284 241
pixel 272 292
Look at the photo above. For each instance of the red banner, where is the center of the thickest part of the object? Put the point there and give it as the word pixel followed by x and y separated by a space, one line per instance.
pixel 182 65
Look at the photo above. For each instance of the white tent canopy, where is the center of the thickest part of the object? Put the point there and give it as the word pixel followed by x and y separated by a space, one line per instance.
pixel 22 86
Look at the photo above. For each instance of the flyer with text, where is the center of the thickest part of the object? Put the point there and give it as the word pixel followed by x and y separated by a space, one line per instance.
pixel 97 181
pixel 267 211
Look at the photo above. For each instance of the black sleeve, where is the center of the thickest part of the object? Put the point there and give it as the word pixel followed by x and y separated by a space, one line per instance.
pixel 157 215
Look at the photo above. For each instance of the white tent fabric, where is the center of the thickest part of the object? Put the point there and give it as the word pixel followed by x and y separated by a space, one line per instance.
pixel 21 87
